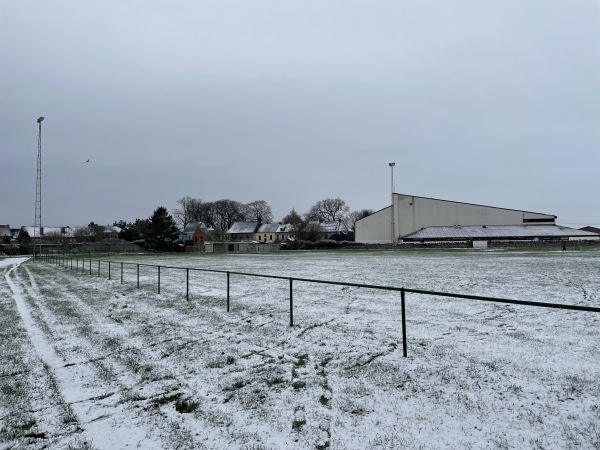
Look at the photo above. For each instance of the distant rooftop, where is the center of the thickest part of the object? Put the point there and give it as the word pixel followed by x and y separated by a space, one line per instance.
pixel 243 227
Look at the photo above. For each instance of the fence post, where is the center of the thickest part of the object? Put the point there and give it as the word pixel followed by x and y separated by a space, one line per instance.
pixel 227 291
pixel 98 268
pixel 138 276
pixel 90 266
pixel 187 284
pixel 71 263
pixel 109 270
pixel 121 273
pixel 291 303
pixel 402 296
pixel 159 279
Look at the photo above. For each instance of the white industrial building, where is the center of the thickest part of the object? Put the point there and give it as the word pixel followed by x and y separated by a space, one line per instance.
pixel 418 219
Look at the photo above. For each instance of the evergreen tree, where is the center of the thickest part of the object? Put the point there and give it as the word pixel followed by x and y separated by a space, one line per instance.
pixel 161 233
pixel 131 231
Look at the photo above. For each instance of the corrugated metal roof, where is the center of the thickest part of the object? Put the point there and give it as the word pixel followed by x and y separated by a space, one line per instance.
pixel 496 232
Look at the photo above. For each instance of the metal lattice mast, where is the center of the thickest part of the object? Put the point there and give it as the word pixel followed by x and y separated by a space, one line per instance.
pixel 37 227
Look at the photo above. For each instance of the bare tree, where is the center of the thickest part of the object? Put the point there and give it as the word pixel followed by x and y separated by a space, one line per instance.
pixel 258 210
pixel 224 213
pixel 328 210
pixel 355 216
pixel 85 234
pixel 190 210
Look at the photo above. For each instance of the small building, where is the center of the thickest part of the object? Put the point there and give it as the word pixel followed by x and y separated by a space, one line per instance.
pixel 187 235
pixel 335 230
pixel 285 232
pixel 266 233
pixel 110 231
pixel 242 230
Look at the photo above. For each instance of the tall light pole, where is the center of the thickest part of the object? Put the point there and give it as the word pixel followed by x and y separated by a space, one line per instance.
pixel 38 195
pixel 392 164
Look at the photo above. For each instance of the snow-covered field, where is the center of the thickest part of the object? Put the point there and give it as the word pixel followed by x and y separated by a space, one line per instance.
pixel 92 363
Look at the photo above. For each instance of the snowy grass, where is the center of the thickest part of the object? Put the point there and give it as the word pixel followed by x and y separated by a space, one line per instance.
pixel 177 374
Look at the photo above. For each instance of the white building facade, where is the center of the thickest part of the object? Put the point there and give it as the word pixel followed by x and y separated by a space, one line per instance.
pixel 410 213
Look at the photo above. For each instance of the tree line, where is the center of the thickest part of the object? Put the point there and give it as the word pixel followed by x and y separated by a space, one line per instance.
pixel 161 230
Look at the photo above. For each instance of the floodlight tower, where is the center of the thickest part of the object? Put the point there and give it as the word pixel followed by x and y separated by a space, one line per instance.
pixel 393 228
pixel 37 227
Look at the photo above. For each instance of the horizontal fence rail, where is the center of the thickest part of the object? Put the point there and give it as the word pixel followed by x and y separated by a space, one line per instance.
pixel 74 264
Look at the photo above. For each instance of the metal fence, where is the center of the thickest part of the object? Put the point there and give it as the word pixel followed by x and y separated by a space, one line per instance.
pixel 116 268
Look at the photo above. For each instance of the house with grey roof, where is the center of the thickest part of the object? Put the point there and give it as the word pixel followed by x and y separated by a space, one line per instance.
pixel 336 229
pixel 273 232
pixel 196 234
pixel 242 230
pixel 188 232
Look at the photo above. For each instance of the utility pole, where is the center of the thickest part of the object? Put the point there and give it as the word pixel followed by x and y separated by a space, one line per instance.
pixel 393 228
pixel 37 227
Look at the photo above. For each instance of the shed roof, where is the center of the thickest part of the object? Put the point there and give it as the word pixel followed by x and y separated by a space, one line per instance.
pixel 496 232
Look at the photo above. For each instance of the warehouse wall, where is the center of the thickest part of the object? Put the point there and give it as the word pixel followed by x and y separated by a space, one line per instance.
pixel 413 213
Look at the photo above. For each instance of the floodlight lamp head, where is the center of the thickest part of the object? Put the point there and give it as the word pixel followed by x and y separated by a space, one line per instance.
pixel 40 120
pixel 392 164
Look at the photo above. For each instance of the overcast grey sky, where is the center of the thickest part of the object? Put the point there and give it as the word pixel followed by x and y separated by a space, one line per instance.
pixel 494 102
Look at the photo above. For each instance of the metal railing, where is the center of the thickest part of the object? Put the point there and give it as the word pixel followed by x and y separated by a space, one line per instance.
pixel 74 264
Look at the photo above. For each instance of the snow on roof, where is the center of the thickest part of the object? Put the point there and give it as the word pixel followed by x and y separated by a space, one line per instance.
pixel 285 228
pixel 332 227
pixel 243 227
pixel 110 229
pixel 458 232
pixel 193 226
pixel 62 231
pixel 268 228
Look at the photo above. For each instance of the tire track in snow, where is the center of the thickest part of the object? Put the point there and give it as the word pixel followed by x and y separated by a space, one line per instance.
pixel 154 381
pixel 104 422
